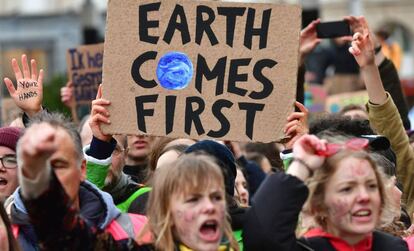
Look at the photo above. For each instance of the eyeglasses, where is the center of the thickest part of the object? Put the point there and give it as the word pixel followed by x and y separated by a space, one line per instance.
pixel 354 144
pixel 9 161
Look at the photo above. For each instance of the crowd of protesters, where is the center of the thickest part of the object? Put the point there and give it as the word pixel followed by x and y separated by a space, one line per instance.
pixel 342 182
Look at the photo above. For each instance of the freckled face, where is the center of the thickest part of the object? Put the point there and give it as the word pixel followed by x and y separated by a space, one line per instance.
pixel 353 199
pixel 198 218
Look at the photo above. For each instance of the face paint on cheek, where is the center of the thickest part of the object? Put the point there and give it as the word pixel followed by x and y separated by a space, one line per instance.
pixel 183 226
pixel 339 208
pixel 357 170
pixel 189 216
pixel 179 214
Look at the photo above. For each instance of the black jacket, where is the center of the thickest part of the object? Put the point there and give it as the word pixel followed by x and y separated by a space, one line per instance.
pixel 392 84
pixel 271 221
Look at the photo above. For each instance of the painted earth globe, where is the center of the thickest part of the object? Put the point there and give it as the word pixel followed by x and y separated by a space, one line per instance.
pixel 174 70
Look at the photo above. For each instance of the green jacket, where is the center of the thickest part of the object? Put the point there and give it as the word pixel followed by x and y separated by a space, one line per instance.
pixel 122 194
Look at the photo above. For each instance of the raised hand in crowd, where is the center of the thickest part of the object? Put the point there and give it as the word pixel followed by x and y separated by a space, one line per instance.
pixel 308 40
pixel 307 43
pixel 68 99
pixel 28 91
pixel 362 48
pixel 99 115
pixel 297 125
pixel 383 113
pixel 305 158
pixel 66 95
pixel 36 148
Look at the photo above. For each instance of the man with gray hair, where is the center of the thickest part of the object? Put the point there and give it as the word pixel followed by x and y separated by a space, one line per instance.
pixel 50 159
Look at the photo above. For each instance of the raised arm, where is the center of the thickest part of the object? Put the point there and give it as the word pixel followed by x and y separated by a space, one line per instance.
pixel 98 154
pixel 307 43
pixel 271 221
pixel 383 114
pixel 27 93
pixel 68 99
pixel 362 49
pixel 52 212
pixel 308 40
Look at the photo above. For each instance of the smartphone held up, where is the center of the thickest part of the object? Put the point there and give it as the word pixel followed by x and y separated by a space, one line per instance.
pixel 333 29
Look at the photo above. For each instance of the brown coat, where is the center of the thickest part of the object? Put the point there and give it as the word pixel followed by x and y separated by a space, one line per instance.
pixel 386 120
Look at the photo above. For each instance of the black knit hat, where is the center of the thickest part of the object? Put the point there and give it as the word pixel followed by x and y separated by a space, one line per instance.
pixel 9 136
pixel 381 145
pixel 377 142
pixel 224 158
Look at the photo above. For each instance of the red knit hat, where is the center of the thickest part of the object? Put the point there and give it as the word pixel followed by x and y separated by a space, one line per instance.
pixel 9 136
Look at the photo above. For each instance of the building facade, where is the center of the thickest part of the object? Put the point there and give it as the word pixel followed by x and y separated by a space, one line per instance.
pixel 45 29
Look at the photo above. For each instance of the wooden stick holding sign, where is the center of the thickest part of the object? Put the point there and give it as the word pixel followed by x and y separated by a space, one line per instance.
pixel 201 69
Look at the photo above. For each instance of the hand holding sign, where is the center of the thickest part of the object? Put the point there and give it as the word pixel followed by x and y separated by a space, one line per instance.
pixel 28 94
pixel 99 115
pixel 297 125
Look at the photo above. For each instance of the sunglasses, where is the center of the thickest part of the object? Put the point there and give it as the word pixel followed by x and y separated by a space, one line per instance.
pixel 355 144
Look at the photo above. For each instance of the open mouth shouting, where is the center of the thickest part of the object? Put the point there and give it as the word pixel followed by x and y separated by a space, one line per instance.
pixel 3 182
pixel 209 231
pixel 362 215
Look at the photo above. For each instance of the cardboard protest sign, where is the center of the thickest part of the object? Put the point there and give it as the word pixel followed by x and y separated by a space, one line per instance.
pixel 84 66
pixel 336 102
pixel 200 69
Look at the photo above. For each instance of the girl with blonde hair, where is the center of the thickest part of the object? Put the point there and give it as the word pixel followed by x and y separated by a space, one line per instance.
pixel 347 197
pixel 187 208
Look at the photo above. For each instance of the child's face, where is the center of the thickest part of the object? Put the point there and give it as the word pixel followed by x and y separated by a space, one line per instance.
pixel 198 218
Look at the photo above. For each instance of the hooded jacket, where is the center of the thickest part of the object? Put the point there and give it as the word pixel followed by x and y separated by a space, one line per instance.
pixel 124 191
pixel 270 223
pixel 96 208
